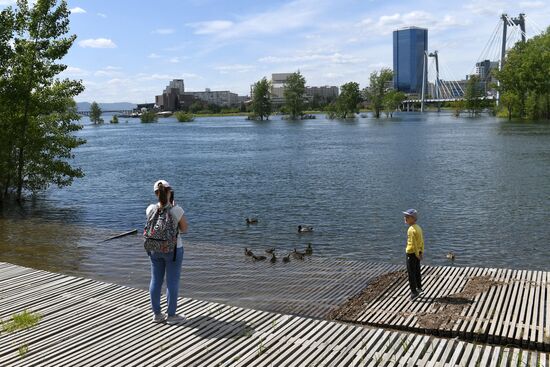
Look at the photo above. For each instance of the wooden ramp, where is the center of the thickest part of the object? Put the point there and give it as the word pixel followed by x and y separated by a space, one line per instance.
pixel 90 323
pixel 500 306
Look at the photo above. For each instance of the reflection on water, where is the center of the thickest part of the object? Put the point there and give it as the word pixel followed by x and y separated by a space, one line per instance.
pixel 481 187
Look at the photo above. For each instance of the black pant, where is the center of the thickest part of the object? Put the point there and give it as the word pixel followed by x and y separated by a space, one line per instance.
pixel 413 269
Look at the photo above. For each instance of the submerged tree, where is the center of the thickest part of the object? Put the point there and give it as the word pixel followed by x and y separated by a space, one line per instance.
pixel 347 102
pixel 392 100
pixel 294 93
pixel 37 109
pixel 95 113
pixel 377 89
pixel 261 99
pixel 473 96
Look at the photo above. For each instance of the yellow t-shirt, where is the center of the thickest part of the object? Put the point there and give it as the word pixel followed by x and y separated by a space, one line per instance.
pixel 415 240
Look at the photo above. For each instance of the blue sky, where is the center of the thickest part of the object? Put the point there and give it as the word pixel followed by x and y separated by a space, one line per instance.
pixel 128 51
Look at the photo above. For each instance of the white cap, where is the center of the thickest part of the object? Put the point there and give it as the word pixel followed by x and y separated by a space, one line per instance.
pixel 160 182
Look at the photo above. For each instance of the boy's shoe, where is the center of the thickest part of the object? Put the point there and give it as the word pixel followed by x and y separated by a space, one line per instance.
pixel 158 318
pixel 414 295
pixel 176 319
pixel 420 290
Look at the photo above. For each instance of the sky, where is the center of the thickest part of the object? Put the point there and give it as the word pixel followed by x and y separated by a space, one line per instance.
pixel 128 51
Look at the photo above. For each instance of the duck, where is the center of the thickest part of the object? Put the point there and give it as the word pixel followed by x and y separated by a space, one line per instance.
pixel 273 258
pixel 251 220
pixel 309 249
pixel 286 258
pixel 258 258
pixel 270 250
pixel 248 252
pixel 304 229
pixel 298 255
pixel 451 256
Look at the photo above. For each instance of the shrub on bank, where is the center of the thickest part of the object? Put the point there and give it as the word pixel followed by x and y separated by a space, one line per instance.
pixel 148 116
pixel 184 117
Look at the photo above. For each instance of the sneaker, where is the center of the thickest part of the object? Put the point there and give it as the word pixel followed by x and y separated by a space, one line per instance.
pixel 420 290
pixel 158 318
pixel 176 319
pixel 414 295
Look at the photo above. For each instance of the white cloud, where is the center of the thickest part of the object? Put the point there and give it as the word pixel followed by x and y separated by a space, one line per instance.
pixel 97 43
pixel 293 15
pixel 487 7
pixel 77 10
pixel 211 27
pixel 109 71
pixel 235 68
pixel 174 60
pixel 102 15
pixel 163 31
pixel 334 58
pixel 154 56
pixel 388 23
pixel 73 71
pixel 532 4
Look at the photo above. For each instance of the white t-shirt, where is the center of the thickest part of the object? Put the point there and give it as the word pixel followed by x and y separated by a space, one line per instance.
pixel 176 212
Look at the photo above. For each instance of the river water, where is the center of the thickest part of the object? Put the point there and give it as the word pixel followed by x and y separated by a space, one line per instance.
pixel 481 186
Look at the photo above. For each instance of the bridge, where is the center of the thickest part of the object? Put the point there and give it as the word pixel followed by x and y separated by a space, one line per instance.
pixel 438 83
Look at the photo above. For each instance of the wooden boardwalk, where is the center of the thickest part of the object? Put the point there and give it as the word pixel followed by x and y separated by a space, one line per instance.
pixel 507 307
pixel 91 323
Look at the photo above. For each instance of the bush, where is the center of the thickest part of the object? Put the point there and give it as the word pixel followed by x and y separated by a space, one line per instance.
pixel 149 116
pixel 184 117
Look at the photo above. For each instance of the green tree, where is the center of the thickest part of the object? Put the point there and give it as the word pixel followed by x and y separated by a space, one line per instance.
pixel 148 116
pixel 294 93
pixel 261 99
pixel 377 89
pixel 347 102
pixel 95 113
pixel 472 96
pixel 524 85
pixel 36 107
pixel 114 119
pixel 392 100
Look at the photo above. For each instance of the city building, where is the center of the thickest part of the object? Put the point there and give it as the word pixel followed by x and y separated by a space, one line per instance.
pixel 409 47
pixel 217 97
pixel 176 83
pixel 324 94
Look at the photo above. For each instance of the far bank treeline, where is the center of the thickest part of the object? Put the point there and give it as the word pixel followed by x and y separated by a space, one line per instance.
pixel 377 96
pixel 37 108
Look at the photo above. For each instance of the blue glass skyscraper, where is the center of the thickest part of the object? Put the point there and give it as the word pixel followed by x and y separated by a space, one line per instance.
pixel 409 47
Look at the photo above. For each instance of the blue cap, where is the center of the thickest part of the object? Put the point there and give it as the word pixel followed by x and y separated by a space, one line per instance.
pixel 411 213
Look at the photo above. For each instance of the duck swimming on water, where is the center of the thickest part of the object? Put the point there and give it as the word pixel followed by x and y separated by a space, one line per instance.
pixel 258 258
pixel 451 256
pixel 298 255
pixel 286 258
pixel 304 229
pixel 248 252
pixel 270 250
pixel 251 220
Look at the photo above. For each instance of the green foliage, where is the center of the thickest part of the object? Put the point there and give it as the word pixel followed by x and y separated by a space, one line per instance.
pixel 524 84
pixel 37 109
pixel 347 102
pixel 261 99
pixel 392 100
pixel 114 119
pixel 21 321
pixel 472 96
pixel 184 117
pixel 377 89
pixel 95 113
pixel 294 93
pixel 148 116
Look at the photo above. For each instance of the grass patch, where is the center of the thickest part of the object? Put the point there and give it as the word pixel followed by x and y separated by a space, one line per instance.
pixel 21 321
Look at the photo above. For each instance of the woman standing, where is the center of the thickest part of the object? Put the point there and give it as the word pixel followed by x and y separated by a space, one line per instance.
pixel 165 261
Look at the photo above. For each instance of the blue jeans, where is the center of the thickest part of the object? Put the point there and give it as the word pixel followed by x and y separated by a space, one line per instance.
pixel 161 264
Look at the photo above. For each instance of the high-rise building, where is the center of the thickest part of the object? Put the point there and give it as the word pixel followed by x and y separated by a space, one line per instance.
pixel 177 84
pixel 409 47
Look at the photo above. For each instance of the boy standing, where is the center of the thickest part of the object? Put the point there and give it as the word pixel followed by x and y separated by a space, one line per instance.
pixel 415 251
